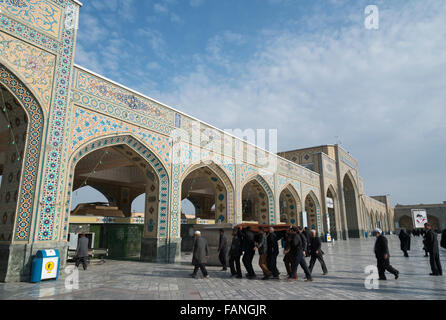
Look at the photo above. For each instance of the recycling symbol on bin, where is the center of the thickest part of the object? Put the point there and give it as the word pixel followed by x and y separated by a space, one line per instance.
pixel 49 266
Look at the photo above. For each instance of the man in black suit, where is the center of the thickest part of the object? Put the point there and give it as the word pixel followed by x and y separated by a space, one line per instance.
pixel 235 252
pixel 249 251
pixel 272 253
pixel 383 256
pixel 222 249
pixel 297 247
pixel 431 243
pixel 316 252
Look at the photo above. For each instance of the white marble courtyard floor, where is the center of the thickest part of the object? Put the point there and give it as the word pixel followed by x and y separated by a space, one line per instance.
pixel 346 261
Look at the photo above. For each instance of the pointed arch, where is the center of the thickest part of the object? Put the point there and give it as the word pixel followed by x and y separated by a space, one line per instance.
pixel 334 214
pixel 32 152
pixel 267 189
pixel 156 225
pixel 313 214
pixel 228 198
pixel 294 207
pixel 350 191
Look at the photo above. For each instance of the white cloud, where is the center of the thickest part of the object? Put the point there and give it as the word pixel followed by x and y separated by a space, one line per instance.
pixel 380 91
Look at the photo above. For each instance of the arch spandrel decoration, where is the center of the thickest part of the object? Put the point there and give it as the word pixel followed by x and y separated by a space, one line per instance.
pixel 144 152
pixel 220 173
pixel 32 152
pixel 34 65
pixel 268 190
pixel 88 125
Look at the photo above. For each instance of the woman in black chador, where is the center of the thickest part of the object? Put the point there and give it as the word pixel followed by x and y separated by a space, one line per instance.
pixel 405 242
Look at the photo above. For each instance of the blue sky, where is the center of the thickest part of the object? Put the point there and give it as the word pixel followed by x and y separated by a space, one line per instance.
pixel 308 68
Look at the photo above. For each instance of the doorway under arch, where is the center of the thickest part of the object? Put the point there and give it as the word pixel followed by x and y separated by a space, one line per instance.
pixel 350 197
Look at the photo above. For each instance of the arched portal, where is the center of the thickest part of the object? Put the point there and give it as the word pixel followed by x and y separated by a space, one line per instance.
pixel 312 208
pixel 434 222
pixel 257 203
pixel 21 130
pixel 122 168
pixel 406 222
pixel 332 210
pixel 351 207
pixel 290 207
pixel 210 193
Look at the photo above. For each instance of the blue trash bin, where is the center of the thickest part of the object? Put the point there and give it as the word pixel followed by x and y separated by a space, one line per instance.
pixel 45 266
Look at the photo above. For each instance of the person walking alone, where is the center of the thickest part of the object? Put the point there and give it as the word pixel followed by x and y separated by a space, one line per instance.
pixel 383 256
pixel 316 253
pixel 82 251
pixel 200 254
pixel 431 243
pixel 222 249
pixel 405 242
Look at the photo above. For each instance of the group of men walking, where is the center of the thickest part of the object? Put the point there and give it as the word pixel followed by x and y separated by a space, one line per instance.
pixel 298 244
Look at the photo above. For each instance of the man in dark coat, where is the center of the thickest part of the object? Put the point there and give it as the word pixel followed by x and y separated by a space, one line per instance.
pixel 383 256
pixel 272 252
pixel 262 247
pixel 426 253
pixel 316 253
pixel 200 254
pixel 434 251
pixel 288 255
pixel 249 251
pixel 297 246
pixel 82 251
pixel 307 235
pixel 235 252
pixel 222 249
pixel 405 242
pixel 443 239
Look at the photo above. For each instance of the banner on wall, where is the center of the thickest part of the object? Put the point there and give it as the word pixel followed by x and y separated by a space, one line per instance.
pixel 330 203
pixel 304 218
pixel 419 217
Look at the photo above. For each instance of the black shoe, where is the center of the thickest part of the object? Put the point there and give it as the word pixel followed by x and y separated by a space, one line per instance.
pixel 382 279
pixel 433 274
pixel 309 280
pixel 397 275
pixel 224 269
pixel 193 275
pixel 239 276
pixel 265 278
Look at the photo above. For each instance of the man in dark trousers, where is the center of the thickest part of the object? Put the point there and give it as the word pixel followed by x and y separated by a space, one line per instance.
pixel 316 253
pixel 405 242
pixel 443 239
pixel 235 252
pixel 288 255
pixel 200 254
pixel 383 256
pixel 307 235
pixel 249 251
pixel 82 251
pixel 297 246
pixel 222 249
pixel 262 247
pixel 272 252
pixel 434 251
